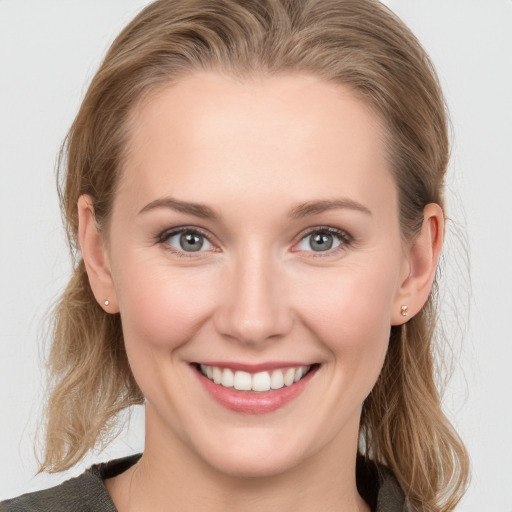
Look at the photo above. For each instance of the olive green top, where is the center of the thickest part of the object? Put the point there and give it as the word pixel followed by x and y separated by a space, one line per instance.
pixel 87 492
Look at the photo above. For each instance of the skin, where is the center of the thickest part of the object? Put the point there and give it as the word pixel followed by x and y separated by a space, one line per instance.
pixel 257 291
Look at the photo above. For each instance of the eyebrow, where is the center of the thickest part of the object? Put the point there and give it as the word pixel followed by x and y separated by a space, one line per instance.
pixel 316 207
pixel 302 210
pixel 196 209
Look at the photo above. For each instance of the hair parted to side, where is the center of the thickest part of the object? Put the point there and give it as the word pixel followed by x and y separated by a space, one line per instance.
pixel 358 43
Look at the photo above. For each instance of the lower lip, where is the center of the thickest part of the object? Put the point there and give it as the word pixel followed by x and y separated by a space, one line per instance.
pixel 255 402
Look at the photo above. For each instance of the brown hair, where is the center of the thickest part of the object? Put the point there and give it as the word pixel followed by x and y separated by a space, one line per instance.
pixel 359 43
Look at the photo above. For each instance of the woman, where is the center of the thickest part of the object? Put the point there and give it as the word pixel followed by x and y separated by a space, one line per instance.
pixel 254 194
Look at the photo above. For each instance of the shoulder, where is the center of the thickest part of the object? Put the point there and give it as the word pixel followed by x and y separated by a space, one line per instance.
pixel 85 493
pixel 79 494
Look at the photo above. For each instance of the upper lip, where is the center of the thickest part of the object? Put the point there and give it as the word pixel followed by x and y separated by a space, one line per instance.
pixel 255 368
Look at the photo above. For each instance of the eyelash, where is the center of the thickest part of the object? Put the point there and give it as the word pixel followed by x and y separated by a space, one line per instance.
pixel 164 237
pixel 345 239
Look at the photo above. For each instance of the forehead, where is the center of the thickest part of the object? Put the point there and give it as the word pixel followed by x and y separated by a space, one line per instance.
pixel 292 132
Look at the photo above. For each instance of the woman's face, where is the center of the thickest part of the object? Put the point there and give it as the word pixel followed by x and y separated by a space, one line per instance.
pixel 255 232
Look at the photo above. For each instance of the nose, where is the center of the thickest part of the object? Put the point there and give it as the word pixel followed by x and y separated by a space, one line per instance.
pixel 255 306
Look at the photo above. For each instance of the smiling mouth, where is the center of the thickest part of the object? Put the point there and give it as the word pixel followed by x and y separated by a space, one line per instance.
pixel 259 382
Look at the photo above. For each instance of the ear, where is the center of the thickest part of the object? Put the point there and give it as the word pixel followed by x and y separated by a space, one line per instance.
pixel 422 256
pixel 95 256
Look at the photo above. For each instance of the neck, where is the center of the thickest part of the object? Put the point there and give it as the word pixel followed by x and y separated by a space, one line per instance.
pixel 169 472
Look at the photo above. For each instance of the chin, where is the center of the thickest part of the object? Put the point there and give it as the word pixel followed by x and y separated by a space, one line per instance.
pixel 255 465
pixel 251 454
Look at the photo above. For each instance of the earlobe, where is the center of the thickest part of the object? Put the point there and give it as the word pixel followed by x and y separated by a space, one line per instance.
pixel 422 258
pixel 95 256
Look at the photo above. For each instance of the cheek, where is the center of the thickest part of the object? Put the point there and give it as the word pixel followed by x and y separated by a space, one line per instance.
pixel 355 299
pixel 161 307
pixel 350 312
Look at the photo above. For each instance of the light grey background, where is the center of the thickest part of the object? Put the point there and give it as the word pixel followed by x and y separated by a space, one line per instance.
pixel 48 53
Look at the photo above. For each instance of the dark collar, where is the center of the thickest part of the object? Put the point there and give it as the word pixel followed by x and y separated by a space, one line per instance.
pixel 88 493
pixel 379 488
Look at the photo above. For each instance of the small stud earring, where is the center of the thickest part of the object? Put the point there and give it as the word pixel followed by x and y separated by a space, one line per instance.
pixel 107 303
pixel 404 310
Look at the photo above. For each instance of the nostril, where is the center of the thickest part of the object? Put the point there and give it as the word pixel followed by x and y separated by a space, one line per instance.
pixel 254 330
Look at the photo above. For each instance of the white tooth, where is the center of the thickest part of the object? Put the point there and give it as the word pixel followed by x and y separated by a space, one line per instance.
pixel 209 372
pixel 298 374
pixel 227 378
pixel 289 376
pixel 243 381
pixel 261 381
pixel 217 375
pixel 277 380
pixel 203 369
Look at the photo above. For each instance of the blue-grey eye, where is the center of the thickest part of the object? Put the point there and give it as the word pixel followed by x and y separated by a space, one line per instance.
pixel 320 241
pixel 189 241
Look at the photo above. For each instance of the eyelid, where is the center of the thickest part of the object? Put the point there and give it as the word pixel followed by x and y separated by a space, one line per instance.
pixel 345 238
pixel 164 236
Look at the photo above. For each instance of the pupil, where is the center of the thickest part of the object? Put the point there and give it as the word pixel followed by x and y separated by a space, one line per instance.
pixel 191 242
pixel 321 242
